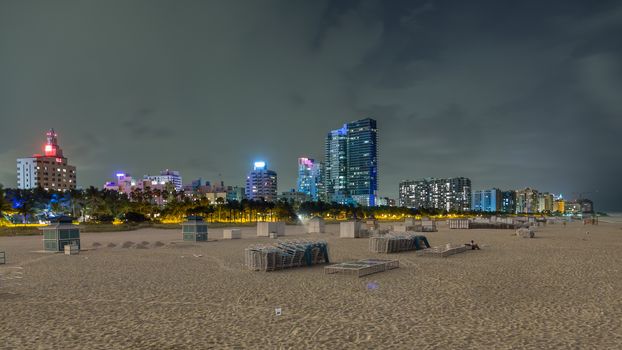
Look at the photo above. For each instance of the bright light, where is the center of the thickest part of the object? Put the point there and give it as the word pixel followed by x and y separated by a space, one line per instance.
pixel 260 165
pixel 120 174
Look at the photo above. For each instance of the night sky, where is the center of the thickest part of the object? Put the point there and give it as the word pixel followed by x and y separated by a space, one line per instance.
pixel 508 93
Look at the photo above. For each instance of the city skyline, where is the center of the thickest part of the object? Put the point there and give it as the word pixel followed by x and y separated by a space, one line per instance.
pixel 521 106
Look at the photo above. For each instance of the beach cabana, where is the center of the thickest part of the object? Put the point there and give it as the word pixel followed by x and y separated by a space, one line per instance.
pixel 264 229
pixel 60 232
pixel 316 225
pixel 232 233
pixel 352 229
pixel 194 229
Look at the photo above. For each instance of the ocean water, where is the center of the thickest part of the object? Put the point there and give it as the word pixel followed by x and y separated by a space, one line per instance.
pixel 612 218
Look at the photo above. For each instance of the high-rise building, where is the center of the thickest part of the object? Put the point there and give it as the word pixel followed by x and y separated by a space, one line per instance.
pixel 167 176
pixel 50 171
pixel 526 201
pixel 309 178
pixel 508 201
pixel 452 194
pixel 487 200
pixel 559 206
pixel 261 183
pixel 351 172
pixel 545 202
pixel 335 172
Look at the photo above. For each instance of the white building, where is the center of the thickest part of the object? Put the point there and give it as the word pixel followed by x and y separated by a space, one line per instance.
pixel 167 176
pixel 261 183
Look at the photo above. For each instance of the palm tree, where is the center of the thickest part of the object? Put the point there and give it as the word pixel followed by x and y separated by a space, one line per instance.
pixel 219 201
pixel 5 205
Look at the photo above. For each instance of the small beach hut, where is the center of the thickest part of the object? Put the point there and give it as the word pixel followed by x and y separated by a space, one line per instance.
pixel 60 232
pixel 352 229
pixel 264 229
pixel 316 225
pixel 194 229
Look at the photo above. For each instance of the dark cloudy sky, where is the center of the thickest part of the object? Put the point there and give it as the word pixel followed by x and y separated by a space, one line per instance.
pixel 508 93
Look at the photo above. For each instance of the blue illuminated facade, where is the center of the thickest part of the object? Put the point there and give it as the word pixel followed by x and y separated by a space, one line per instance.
pixel 487 200
pixel 309 178
pixel 351 174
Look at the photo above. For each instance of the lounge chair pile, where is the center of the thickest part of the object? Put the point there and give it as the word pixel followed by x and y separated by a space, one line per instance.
pixel 394 243
pixel 410 224
pixel 363 267
pixel 444 251
pixel 282 255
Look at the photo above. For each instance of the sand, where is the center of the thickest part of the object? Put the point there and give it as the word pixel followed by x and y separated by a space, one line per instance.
pixel 562 289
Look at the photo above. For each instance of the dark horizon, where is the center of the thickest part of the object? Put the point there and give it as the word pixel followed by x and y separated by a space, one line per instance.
pixel 510 95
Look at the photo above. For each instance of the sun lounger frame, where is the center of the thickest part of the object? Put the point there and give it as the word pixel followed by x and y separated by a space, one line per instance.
pixel 363 267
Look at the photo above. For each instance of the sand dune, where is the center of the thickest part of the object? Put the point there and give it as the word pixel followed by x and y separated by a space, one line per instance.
pixel 562 289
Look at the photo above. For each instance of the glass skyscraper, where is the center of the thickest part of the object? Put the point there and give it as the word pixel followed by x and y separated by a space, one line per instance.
pixel 309 178
pixel 487 200
pixel 351 173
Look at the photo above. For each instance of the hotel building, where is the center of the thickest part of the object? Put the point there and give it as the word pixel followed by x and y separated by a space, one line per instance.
pixel 261 183
pixel 167 176
pixel 50 171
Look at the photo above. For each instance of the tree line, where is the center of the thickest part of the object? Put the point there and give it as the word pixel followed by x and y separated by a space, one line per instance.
pixel 105 206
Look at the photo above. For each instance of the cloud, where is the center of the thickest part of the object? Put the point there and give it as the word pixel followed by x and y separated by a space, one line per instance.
pixel 507 94
pixel 143 125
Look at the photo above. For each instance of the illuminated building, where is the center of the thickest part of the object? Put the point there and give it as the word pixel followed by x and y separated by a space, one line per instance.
pixel 572 208
pixel 558 206
pixel 526 201
pixel 261 183
pixel 508 201
pixel 335 171
pixel 167 176
pixel 124 184
pixel 487 200
pixel 351 171
pixel 545 202
pixel 236 193
pixel 295 197
pixel 452 194
pixel 131 187
pixel 386 201
pixel 309 178
pixel 50 171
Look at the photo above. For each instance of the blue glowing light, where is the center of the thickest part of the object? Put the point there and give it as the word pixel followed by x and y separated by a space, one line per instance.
pixel 260 165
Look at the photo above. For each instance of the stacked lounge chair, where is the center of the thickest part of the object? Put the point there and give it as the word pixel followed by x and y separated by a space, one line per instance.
pixel 282 255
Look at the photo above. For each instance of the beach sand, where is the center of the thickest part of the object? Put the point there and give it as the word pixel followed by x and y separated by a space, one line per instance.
pixel 562 289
